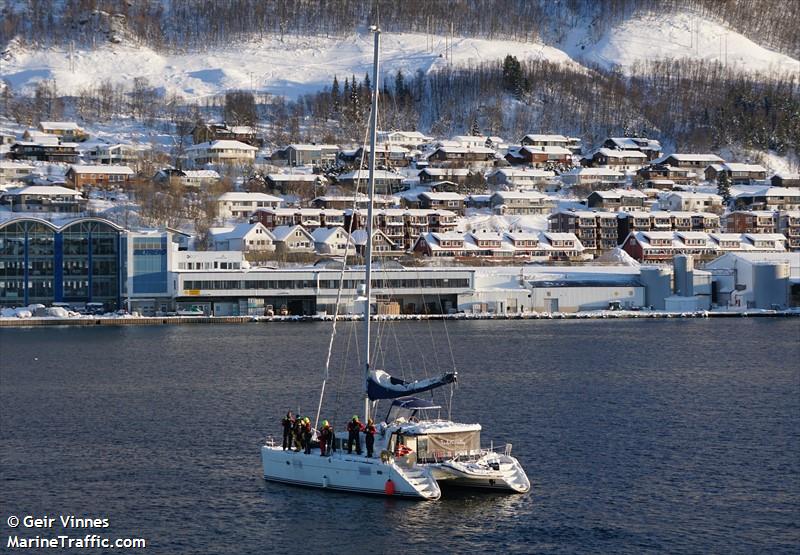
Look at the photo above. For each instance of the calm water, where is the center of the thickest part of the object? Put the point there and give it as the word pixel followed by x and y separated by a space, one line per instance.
pixel 638 436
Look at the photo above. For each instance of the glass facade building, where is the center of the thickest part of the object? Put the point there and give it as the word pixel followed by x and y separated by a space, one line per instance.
pixel 76 263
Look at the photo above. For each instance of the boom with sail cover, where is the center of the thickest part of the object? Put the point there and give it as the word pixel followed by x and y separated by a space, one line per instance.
pixel 382 385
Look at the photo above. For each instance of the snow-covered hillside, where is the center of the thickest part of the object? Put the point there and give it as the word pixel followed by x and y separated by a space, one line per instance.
pixel 305 64
pixel 291 68
pixel 675 35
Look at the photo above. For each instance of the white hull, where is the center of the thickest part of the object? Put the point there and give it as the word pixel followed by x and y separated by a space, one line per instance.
pixel 353 473
pixel 506 474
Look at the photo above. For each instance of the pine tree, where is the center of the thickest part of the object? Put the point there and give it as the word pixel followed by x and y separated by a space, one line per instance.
pixel 724 186
pixel 475 129
pixel 335 96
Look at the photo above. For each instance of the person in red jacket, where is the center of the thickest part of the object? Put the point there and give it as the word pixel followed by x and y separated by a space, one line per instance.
pixel 369 436
pixel 324 438
pixel 353 429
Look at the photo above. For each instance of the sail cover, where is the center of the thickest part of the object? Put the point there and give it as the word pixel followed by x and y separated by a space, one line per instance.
pixel 382 385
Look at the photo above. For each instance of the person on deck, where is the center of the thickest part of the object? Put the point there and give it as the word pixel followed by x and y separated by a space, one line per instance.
pixel 353 429
pixel 297 433
pixel 307 435
pixel 332 440
pixel 324 438
pixel 369 436
pixel 288 424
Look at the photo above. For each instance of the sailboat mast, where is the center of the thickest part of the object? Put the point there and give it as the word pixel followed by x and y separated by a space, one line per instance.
pixel 373 120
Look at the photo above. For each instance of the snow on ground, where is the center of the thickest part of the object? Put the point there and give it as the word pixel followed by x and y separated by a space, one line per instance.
pixel 675 35
pixel 476 220
pixel 296 66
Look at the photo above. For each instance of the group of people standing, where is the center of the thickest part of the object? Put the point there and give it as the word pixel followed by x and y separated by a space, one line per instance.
pixel 298 435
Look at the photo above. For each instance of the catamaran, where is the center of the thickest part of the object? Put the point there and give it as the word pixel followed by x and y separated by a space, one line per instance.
pixel 418 449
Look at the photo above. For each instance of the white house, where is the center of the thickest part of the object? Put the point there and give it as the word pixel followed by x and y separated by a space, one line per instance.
pixel 222 152
pixel 243 237
pixel 242 205
pixel 593 176
pixel 519 178
pixel 331 241
pixel 691 202
pixel 293 239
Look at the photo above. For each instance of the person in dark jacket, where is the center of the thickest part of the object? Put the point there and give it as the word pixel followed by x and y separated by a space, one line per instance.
pixel 324 438
pixel 353 429
pixel 288 424
pixel 307 434
pixel 369 436
pixel 297 434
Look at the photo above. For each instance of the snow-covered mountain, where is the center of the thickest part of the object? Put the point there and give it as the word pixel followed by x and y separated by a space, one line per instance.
pixel 298 65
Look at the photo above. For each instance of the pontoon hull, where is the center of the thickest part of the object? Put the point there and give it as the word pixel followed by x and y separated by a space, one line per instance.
pixel 353 473
pixel 509 477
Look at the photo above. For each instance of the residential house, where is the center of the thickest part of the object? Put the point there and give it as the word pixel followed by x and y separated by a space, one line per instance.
pixel 66 131
pixel 539 156
pixel 66 153
pixel 620 160
pixel 520 203
pixel 343 202
pixel 11 172
pixel 789 225
pixel 597 231
pixel 7 139
pixel 697 162
pixel 688 201
pixel 573 144
pixel 738 174
pixel 664 176
pixel 616 199
pixel 386 182
pixel 246 237
pixel 309 218
pixel 304 184
pixel 461 156
pixel 306 155
pixel 43 198
pixel 442 201
pixel 785 180
pixel 403 226
pixel 382 244
pixel 408 139
pixel 434 175
pixel 770 198
pixel 593 177
pixel 520 178
pixel 331 241
pixel 192 179
pixel 386 155
pixel 241 206
pixel 489 244
pixel 105 177
pixel 663 220
pixel 221 152
pixel 210 132
pixel 752 221
pixel 116 154
pixel 662 246
pixel 650 147
pixel 292 239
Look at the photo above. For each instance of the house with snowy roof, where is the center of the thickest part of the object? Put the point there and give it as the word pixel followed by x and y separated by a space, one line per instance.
pixel 43 198
pixel 79 176
pixel 539 156
pixel 382 244
pixel 689 201
pixel 650 147
pixel 291 239
pixel 519 178
pixel 11 171
pixel 116 154
pixel 304 154
pixel 408 139
pixel 294 183
pixel 241 205
pixel 620 160
pixel 209 132
pixel 66 131
pixel 616 199
pixel 737 173
pixel 697 162
pixel 245 237
pixel 769 198
pixel 439 201
pixel 593 177
pixel 221 152
pixel 520 203
pixel 331 241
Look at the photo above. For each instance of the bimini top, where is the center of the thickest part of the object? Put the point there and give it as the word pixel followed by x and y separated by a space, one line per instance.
pixel 414 403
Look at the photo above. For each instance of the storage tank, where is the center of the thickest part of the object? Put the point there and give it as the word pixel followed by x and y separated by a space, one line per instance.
pixel 657 286
pixel 771 284
pixel 683 265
